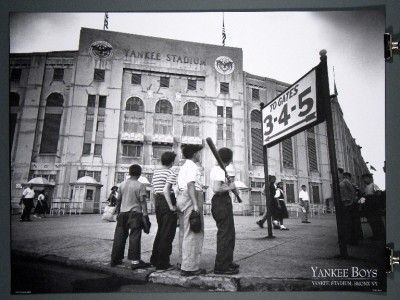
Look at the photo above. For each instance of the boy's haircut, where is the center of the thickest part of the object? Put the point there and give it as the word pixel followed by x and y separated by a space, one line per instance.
pixel 226 155
pixel 304 185
pixel 167 158
pixel 188 151
pixel 340 170
pixel 135 170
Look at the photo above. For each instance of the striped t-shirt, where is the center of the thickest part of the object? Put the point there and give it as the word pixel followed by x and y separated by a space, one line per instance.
pixel 160 178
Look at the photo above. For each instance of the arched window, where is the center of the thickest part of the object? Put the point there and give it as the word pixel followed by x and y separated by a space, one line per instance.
pixel 256 137
pixel 191 109
pixel 51 124
pixel 134 104
pixel 14 99
pixel 163 107
pixel 55 100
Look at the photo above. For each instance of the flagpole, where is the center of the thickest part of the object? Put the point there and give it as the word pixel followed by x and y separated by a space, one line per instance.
pixel 105 24
pixel 223 29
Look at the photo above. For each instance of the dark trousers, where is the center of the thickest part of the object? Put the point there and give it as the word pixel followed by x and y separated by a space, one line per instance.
pixel 128 223
pixel 28 205
pixel 348 224
pixel 221 209
pixel 167 222
pixel 356 223
pixel 375 220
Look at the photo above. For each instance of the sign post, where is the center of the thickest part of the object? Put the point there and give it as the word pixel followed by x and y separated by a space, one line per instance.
pixel 304 104
pixel 323 84
pixel 266 184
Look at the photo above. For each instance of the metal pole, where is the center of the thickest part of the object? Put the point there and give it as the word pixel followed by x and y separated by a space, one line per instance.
pixel 324 88
pixel 266 181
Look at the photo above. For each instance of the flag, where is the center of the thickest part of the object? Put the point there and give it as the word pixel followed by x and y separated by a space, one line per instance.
pixel 372 168
pixel 223 30
pixel 105 21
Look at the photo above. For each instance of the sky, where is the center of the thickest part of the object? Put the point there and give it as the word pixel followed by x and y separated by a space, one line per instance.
pixel 279 45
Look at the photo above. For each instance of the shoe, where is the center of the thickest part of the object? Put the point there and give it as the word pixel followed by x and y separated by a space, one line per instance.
pixel 260 223
pixel 284 228
pixel 305 222
pixel 140 265
pixel 193 273
pixel 115 263
pixel 230 271
pixel 21 220
pixel 234 265
pixel 167 268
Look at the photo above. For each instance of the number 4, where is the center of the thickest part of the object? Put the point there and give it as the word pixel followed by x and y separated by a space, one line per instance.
pixel 284 117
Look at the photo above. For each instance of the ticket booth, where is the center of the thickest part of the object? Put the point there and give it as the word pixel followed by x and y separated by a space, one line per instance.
pixel 86 194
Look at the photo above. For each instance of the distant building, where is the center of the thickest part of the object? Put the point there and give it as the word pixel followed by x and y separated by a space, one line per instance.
pixel 123 99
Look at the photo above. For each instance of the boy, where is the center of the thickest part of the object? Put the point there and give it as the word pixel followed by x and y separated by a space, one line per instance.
pixel 190 198
pixel 222 212
pixel 131 207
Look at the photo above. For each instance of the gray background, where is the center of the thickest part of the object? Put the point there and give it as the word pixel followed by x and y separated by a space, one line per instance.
pixel 392 124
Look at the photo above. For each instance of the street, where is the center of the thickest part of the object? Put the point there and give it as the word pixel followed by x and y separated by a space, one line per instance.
pixel 85 241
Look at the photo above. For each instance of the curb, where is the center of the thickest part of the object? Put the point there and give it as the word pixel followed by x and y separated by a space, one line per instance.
pixel 210 282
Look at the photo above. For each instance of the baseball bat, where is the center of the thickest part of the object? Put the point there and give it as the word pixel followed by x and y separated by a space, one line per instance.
pixel 221 165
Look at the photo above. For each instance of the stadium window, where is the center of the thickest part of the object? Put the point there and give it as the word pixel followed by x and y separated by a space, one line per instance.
pixel 102 101
pixel 97 149
pixel 164 82
pixel 224 87
pixel 287 153
pixel 220 111
pixel 192 84
pixel 255 94
pixel 99 75
pixel 86 149
pixel 58 74
pixel 136 78
pixel 229 112
pixel 131 150
pixel 15 75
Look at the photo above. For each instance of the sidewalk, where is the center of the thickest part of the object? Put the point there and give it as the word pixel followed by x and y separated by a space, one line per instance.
pixel 283 263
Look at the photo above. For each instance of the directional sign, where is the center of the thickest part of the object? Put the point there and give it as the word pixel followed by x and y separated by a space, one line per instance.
pixel 291 111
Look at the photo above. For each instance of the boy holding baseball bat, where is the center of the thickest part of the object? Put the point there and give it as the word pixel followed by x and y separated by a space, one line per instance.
pixel 222 212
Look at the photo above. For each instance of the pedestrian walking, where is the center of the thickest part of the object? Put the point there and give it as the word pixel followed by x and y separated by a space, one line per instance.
pixel 41 206
pixel 27 201
pixel 132 218
pixel 304 202
pixel 222 212
pixel 280 212
pixel 272 190
pixel 166 215
pixel 109 210
pixel 373 205
pixel 190 205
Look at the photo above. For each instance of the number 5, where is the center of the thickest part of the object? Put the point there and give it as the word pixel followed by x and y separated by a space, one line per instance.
pixel 308 102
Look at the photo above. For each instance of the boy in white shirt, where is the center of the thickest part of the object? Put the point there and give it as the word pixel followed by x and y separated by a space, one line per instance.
pixel 27 199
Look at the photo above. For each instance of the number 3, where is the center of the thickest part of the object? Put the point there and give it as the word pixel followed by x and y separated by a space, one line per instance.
pixel 308 102
pixel 269 124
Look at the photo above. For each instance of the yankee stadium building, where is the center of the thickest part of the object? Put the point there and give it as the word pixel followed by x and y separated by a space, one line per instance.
pixel 79 119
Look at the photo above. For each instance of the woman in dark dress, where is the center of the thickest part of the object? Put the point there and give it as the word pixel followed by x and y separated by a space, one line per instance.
pixel 112 199
pixel 280 211
pixel 41 206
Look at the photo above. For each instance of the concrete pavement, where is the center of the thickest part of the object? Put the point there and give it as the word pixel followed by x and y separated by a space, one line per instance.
pixel 283 263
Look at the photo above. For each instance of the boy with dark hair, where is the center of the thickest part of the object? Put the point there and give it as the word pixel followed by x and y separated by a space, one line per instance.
pixel 165 205
pixel 272 190
pixel 222 212
pixel 131 208
pixel 304 201
pixel 189 199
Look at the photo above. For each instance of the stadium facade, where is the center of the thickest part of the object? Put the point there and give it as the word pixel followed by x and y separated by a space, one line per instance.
pixel 79 119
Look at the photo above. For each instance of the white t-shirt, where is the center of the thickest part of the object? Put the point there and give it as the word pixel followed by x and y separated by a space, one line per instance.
pixel 189 172
pixel 28 193
pixel 304 196
pixel 216 174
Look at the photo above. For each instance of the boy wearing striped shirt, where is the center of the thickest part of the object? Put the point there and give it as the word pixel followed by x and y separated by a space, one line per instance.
pixel 165 206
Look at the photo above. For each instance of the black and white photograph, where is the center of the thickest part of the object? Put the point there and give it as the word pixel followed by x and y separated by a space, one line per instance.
pixel 155 152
